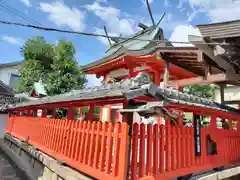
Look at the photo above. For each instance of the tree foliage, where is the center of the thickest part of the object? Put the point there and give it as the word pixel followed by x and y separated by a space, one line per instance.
pixel 204 91
pixel 53 64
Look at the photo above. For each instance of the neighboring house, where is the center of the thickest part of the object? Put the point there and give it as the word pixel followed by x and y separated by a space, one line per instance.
pixel 9 73
pixel 9 80
pixel 231 93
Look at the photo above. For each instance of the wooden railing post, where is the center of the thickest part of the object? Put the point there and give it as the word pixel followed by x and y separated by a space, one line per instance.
pixel 123 159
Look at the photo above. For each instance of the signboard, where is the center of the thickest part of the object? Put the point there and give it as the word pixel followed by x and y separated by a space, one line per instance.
pixel 197 134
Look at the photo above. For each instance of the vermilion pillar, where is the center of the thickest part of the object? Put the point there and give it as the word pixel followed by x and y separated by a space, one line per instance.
pixel 91 112
pixel 71 113
pixel 213 122
pixel 44 112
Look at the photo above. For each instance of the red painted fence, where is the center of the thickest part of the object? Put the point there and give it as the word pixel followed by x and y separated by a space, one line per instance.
pixel 101 149
pixel 97 149
pixel 159 156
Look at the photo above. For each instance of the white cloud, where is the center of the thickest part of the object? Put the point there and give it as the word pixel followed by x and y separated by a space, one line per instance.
pixel 166 3
pixel 112 17
pixel 93 81
pixel 62 15
pixel 12 40
pixel 26 2
pixel 192 15
pixel 102 39
pixel 169 22
pixel 180 34
pixel 218 10
pixel 144 1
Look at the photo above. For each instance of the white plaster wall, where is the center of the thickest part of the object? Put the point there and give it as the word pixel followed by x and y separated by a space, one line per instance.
pixel 5 73
pixel 230 93
pixel 3 124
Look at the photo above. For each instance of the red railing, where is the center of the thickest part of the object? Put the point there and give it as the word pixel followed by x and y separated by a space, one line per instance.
pixel 160 152
pixel 97 149
pixel 101 149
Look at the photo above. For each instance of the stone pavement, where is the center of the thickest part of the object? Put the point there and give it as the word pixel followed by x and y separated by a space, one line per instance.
pixel 9 171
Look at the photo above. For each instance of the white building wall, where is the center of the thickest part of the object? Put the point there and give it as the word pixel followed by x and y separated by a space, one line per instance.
pixel 230 93
pixel 3 124
pixel 5 73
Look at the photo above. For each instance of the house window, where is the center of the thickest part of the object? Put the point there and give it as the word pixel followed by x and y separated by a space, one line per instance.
pixel 14 81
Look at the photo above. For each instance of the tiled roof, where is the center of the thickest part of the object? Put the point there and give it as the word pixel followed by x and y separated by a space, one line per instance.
pixel 130 89
pixel 16 63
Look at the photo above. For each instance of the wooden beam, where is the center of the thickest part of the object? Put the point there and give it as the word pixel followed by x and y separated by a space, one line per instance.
pixel 232 102
pixel 214 78
pixel 213 54
pixel 208 69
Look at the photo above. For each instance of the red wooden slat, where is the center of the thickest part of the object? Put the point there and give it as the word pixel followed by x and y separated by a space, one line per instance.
pixel 74 139
pixel 103 146
pixel 142 151
pixel 123 152
pixel 189 147
pixel 64 136
pixel 54 133
pixel 179 147
pixel 56 139
pixel 68 138
pixel 173 152
pixel 45 137
pixel 92 144
pixel 193 159
pixel 86 145
pixel 82 141
pixel 76 153
pixel 155 149
pixel 162 149
pixel 116 150
pixel 149 149
pixel 61 136
pixel 46 141
pixel 134 151
pixel 97 146
pixel 168 146
pixel 109 148
pixel 184 149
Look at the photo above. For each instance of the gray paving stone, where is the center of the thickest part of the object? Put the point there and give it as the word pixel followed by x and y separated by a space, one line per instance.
pixel 7 170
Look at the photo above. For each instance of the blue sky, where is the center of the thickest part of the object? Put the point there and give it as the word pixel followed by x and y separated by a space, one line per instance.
pixel 119 16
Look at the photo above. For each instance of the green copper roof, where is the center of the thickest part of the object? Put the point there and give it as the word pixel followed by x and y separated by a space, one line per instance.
pixel 134 44
pixel 39 89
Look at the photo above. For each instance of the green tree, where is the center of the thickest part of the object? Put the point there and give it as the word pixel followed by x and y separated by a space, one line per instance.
pixel 55 65
pixel 204 91
pixel 65 74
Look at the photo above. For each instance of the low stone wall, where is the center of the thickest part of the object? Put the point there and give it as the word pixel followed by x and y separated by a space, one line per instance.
pixel 37 165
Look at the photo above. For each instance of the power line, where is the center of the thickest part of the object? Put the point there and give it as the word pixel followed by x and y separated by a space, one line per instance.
pixel 97 35
pixel 11 10
pixel 14 11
